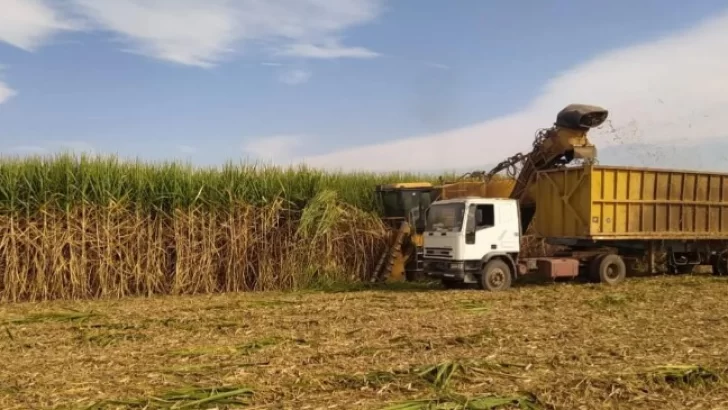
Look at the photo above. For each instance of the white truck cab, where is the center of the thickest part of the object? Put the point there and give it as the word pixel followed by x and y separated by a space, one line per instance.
pixel 473 240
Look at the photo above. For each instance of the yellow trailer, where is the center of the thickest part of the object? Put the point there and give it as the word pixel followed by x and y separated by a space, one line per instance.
pixel 636 212
pixel 608 202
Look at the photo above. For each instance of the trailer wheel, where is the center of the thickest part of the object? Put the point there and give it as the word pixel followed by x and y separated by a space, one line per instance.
pixel 720 264
pixel 612 269
pixel 496 276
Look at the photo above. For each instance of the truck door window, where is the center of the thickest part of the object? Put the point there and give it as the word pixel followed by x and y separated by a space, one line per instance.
pixel 470 224
pixel 484 216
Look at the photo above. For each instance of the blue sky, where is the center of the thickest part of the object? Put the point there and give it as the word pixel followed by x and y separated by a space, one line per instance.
pixel 366 84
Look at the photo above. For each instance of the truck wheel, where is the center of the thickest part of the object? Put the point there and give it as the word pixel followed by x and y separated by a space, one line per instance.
pixel 684 269
pixel 496 276
pixel 720 264
pixel 593 270
pixel 612 269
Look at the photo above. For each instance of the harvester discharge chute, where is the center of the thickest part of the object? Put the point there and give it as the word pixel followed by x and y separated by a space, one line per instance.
pixel 552 148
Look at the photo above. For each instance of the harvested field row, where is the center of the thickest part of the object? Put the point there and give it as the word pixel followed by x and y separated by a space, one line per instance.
pixel 653 343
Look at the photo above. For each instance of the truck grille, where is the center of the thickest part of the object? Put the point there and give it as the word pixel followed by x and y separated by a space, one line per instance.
pixel 438 253
pixel 438 266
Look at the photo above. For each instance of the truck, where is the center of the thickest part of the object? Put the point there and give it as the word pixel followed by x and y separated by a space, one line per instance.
pixel 404 204
pixel 598 216
pixel 403 212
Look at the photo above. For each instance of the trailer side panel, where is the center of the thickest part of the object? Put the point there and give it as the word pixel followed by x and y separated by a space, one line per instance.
pixel 608 203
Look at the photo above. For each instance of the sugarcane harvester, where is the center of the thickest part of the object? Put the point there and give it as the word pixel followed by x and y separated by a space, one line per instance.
pixel 405 205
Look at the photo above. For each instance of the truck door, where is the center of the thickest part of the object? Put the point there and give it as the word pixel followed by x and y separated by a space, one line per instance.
pixel 480 234
pixel 508 225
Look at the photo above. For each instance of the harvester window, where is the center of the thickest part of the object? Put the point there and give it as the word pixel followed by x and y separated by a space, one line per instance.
pixel 411 201
pixel 391 202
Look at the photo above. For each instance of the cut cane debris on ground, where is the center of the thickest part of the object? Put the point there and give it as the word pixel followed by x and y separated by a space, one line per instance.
pixel 650 343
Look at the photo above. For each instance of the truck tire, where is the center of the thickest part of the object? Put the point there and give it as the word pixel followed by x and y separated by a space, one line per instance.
pixel 593 269
pixel 720 264
pixel 684 269
pixel 611 269
pixel 496 276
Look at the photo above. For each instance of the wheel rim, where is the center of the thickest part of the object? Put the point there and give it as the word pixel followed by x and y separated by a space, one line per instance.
pixel 496 278
pixel 612 271
pixel 723 264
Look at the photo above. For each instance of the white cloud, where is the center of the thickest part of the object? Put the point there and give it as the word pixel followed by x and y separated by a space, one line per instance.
pixel 202 32
pixel 49 147
pixel 329 50
pixel 186 149
pixel 6 92
pixel 437 65
pixel 27 24
pixel 667 90
pixel 184 31
pixel 76 147
pixel 294 77
pixel 29 150
pixel 278 148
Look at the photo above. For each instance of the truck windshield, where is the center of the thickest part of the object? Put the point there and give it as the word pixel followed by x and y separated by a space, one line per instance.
pixel 445 217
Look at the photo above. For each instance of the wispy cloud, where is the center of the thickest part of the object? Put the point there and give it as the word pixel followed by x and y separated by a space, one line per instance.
pixel 48 147
pixel 439 66
pixel 184 31
pixel 198 33
pixel 75 147
pixel 667 90
pixel 186 149
pixel 6 92
pixel 202 32
pixel 277 148
pixel 27 24
pixel 28 150
pixel 330 50
pixel 294 77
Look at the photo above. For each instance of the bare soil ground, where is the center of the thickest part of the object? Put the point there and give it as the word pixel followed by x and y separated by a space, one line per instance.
pixel 652 343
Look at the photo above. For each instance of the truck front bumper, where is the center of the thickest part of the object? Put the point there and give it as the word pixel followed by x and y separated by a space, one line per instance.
pixel 459 271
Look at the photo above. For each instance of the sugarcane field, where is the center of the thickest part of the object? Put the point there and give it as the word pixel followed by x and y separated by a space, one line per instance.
pixel 363 204
pixel 137 286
